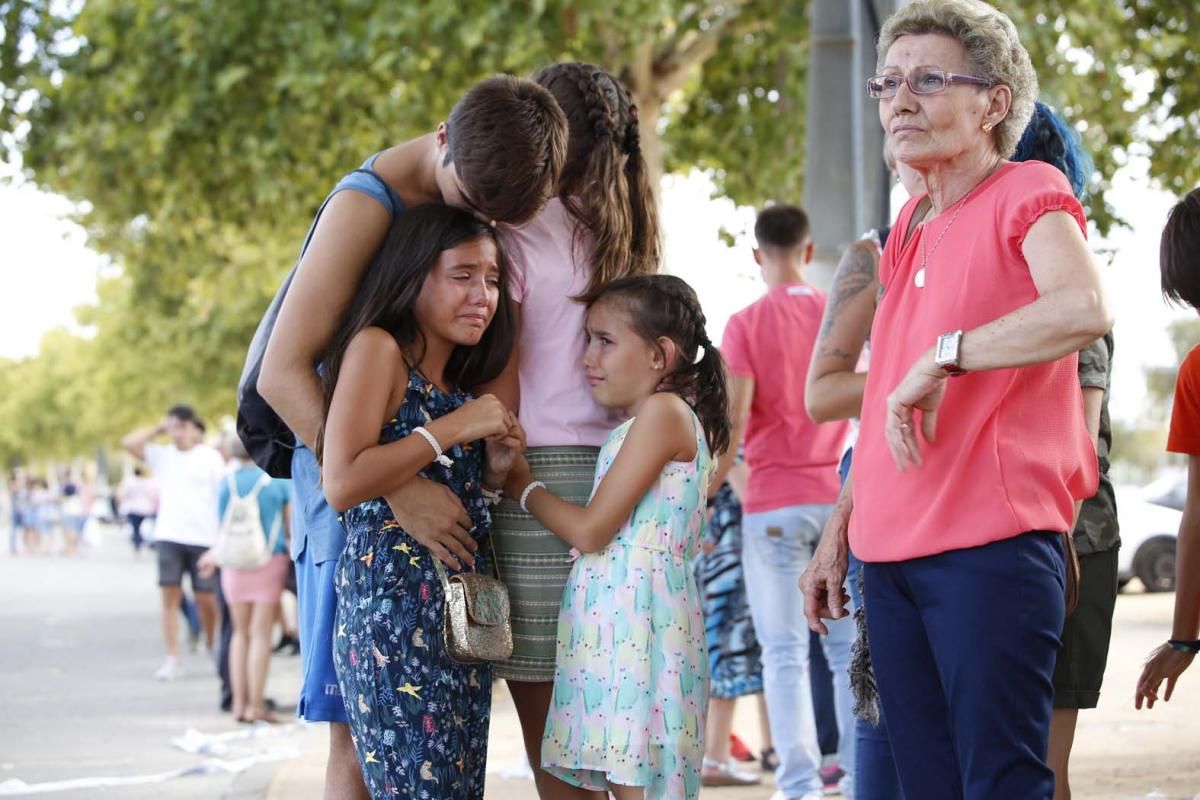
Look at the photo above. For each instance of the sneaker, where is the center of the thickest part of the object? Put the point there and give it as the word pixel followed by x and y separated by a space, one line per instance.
pixel 716 773
pixel 831 777
pixel 169 670
pixel 738 750
pixel 286 642
pixel 806 796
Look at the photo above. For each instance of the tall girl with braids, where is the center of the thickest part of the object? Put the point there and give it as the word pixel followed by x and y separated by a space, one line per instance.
pixel 602 226
pixel 631 681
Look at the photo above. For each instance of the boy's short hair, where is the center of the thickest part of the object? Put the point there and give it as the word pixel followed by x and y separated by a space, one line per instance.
pixel 185 413
pixel 507 138
pixel 1179 252
pixel 781 226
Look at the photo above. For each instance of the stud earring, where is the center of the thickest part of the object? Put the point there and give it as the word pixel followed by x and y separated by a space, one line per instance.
pixel 987 127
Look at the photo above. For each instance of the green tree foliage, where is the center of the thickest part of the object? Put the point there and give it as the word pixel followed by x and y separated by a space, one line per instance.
pixel 199 137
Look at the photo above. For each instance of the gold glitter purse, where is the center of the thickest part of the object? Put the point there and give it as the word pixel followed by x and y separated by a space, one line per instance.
pixel 476 623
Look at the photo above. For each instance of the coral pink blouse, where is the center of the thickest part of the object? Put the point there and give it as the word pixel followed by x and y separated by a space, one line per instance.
pixel 1012 451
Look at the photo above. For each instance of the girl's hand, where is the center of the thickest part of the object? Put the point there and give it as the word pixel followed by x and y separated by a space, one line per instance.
pixel 923 389
pixel 502 452
pixel 482 418
pixel 519 476
pixel 1165 663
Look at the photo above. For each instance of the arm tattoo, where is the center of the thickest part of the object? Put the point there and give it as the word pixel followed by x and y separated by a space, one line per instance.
pixel 833 352
pixel 855 273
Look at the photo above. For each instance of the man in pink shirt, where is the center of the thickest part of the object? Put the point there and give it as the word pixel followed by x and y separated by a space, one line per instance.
pixel 789 496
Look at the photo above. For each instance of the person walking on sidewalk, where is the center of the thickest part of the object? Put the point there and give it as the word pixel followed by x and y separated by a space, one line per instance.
pixel 189 473
pixel 253 593
pixel 137 499
pixel 789 496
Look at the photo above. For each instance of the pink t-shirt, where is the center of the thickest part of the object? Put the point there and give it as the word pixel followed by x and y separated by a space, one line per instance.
pixel 793 460
pixel 1012 451
pixel 557 406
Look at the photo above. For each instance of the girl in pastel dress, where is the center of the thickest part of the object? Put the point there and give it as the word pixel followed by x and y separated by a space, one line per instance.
pixel 631 675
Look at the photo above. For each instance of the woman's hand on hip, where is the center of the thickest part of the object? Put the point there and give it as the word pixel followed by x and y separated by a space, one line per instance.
pixel 1165 663
pixel 923 389
pixel 823 583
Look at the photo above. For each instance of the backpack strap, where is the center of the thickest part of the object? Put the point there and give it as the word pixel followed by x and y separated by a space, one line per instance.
pixel 230 484
pixel 263 482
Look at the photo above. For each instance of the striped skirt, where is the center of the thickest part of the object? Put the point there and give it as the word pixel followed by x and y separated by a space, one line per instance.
pixel 535 563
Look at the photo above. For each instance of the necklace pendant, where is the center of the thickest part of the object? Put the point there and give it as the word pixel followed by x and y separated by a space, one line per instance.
pixel 919 278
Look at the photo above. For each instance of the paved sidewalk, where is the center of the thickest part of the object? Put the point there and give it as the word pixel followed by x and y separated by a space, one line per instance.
pixel 1120 753
pixel 303 777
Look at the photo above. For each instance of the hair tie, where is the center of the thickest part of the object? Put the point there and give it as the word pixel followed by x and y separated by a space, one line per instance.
pixel 603 130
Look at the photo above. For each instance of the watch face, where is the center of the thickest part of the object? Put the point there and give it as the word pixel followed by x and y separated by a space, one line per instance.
pixel 946 350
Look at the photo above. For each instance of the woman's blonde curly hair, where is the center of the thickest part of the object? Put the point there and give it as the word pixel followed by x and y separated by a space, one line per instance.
pixel 994 51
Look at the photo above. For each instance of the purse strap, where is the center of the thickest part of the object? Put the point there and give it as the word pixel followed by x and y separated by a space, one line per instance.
pixel 445 578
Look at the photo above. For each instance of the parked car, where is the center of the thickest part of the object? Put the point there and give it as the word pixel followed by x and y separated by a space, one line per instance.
pixel 1149 519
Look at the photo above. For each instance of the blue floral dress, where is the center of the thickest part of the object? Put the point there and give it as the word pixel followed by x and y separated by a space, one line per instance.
pixel 419 720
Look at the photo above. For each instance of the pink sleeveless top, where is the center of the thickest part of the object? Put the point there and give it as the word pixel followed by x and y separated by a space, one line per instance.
pixel 1012 451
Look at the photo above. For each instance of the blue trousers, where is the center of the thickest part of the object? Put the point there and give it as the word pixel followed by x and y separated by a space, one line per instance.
pixel 963 645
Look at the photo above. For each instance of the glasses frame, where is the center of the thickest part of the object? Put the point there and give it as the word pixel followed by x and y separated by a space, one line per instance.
pixel 950 79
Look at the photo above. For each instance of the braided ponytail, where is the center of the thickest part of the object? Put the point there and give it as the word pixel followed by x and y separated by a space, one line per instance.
pixel 604 186
pixel 664 305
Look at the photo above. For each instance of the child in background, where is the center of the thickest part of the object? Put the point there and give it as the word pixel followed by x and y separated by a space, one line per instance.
pixel 631 678
pixel 1180 265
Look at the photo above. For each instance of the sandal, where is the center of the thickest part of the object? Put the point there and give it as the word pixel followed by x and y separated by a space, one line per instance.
pixel 716 773
pixel 770 760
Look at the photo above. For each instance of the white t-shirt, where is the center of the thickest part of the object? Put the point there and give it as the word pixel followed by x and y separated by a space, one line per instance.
pixel 188 481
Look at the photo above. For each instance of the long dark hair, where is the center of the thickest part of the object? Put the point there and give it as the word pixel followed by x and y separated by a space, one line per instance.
pixel 664 305
pixel 605 185
pixel 387 298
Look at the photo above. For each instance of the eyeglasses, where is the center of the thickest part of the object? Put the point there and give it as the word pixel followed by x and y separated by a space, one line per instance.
pixel 923 80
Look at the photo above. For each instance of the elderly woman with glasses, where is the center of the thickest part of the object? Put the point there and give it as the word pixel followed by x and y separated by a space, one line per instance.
pixel 973 451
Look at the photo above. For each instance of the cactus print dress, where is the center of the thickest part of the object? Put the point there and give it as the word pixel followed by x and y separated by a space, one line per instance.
pixel 631 676
pixel 419 720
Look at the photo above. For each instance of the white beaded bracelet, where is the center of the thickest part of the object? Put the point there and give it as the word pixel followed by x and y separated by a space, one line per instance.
pixel 525 494
pixel 439 456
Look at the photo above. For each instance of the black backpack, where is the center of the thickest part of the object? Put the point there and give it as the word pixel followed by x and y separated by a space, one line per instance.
pixel 267 438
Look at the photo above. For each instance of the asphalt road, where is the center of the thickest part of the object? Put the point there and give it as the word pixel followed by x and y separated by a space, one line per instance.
pixel 80 642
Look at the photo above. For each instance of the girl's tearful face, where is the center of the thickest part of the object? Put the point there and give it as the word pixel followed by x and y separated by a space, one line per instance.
pixel 462 290
pixel 621 367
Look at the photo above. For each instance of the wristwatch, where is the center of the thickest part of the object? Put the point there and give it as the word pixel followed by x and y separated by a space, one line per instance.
pixel 945 354
pixel 1190 646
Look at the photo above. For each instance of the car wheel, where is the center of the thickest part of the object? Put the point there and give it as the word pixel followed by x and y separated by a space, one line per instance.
pixel 1154 564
